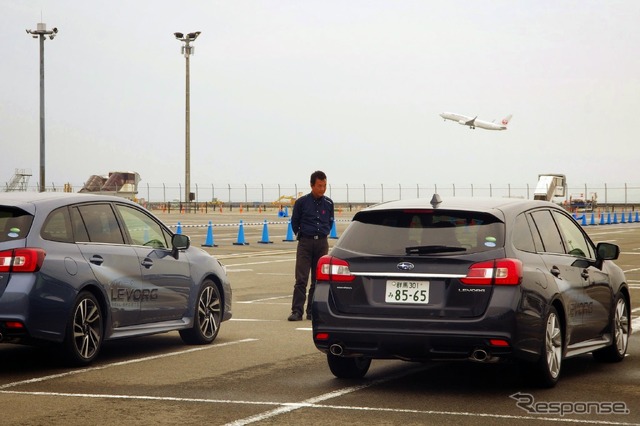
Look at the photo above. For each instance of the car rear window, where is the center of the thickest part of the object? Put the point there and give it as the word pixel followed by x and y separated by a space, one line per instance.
pixel 14 223
pixel 422 232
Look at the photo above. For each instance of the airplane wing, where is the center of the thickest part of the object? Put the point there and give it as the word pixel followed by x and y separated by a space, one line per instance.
pixel 470 123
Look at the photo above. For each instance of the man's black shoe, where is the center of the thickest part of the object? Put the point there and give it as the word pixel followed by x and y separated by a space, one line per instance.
pixel 295 317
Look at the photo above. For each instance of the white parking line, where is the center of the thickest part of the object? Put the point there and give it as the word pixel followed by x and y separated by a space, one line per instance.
pixel 313 403
pixel 117 364
pixel 260 263
pixel 254 254
pixel 285 407
pixel 264 300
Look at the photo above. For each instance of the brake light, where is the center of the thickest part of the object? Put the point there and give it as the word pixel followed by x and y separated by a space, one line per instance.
pixel 498 272
pixel 331 268
pixel 22 260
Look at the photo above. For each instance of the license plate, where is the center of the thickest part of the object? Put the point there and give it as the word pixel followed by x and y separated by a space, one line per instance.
pixel 407 292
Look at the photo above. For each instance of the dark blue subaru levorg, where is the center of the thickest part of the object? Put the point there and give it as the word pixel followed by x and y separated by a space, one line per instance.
pixel 470 279
pixel 79 269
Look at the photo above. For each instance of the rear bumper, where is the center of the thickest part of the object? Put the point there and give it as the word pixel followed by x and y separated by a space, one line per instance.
pixel 501 333
pixel 409 346
pixel 41 306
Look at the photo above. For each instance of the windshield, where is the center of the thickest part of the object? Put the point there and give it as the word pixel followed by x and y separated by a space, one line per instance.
pixel 422 232
pixel 14 223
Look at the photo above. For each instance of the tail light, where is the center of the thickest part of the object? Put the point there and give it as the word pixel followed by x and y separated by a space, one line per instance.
pixel 498 272
pixel 333 269
pixel 21 260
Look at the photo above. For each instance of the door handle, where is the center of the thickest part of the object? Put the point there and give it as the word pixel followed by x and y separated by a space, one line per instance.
pixel 147 263
pixel 555 271
pixel 96 259
pixel 585 274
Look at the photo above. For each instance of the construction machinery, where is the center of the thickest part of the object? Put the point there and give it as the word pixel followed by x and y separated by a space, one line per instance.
pixel 550 186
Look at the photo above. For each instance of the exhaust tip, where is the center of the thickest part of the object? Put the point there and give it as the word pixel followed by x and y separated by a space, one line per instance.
pixel 336 349
pixel 480 355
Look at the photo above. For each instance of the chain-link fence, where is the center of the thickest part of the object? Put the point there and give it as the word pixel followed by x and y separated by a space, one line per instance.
pixel 361 194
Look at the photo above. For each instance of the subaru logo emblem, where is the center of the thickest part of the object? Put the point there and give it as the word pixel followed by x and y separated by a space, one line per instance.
pixel 405 266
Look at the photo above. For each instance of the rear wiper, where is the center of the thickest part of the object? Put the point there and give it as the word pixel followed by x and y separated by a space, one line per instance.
pixel 432 249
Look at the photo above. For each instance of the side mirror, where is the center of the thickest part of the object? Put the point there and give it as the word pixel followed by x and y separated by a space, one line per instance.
pixel 607 251
pixel 179 242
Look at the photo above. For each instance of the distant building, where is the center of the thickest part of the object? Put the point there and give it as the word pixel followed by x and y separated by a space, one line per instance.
pixel 122 184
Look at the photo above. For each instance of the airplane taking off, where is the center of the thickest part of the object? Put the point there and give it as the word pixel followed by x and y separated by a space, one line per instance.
pixel 473 122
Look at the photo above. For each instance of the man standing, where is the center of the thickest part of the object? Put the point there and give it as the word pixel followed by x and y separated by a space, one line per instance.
pixel 311 221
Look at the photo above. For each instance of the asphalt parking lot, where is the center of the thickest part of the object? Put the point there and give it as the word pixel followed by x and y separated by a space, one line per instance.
pixel 263 369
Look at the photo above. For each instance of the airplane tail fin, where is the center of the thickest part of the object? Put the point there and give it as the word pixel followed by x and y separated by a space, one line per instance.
pixel 506 120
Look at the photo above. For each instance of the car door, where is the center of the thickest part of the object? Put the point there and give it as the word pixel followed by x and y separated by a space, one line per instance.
pixel 595 303
pixel 569 278
pixel 166 281
pixel 114 264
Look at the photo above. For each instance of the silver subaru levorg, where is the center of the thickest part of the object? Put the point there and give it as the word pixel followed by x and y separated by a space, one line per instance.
pixel 79 269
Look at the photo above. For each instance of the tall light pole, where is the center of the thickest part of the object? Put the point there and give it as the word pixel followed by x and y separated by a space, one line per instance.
pixel 42 34
pixel 187 50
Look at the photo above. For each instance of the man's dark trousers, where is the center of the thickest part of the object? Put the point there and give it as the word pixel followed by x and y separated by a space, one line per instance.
pixel 307 255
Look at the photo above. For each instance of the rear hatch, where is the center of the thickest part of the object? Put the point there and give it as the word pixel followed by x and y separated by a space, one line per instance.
pixel 15 224
pixel 422 263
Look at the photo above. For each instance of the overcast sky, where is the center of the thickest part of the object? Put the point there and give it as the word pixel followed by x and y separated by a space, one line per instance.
pixel 280 88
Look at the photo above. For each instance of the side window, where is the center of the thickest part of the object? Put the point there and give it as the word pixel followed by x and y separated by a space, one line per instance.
pixel 142 229
pixel 57 226
pixel 577 244
pixel 101 224
pixel 522 237
pixel 548 231
pixel 79 230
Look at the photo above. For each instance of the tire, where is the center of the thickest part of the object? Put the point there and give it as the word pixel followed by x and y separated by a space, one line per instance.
pixel 348 367
pixel 85 331
pixel 546 371
pixel 619 333
pixel 207 317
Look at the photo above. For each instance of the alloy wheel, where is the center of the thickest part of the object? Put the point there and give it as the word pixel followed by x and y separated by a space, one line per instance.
pixel 553 345
pixel 621 326
pixel 87 328
pixel 209 311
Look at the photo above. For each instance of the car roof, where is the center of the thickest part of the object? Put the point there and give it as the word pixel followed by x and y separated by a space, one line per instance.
pixel 482 204
pixel 29 201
